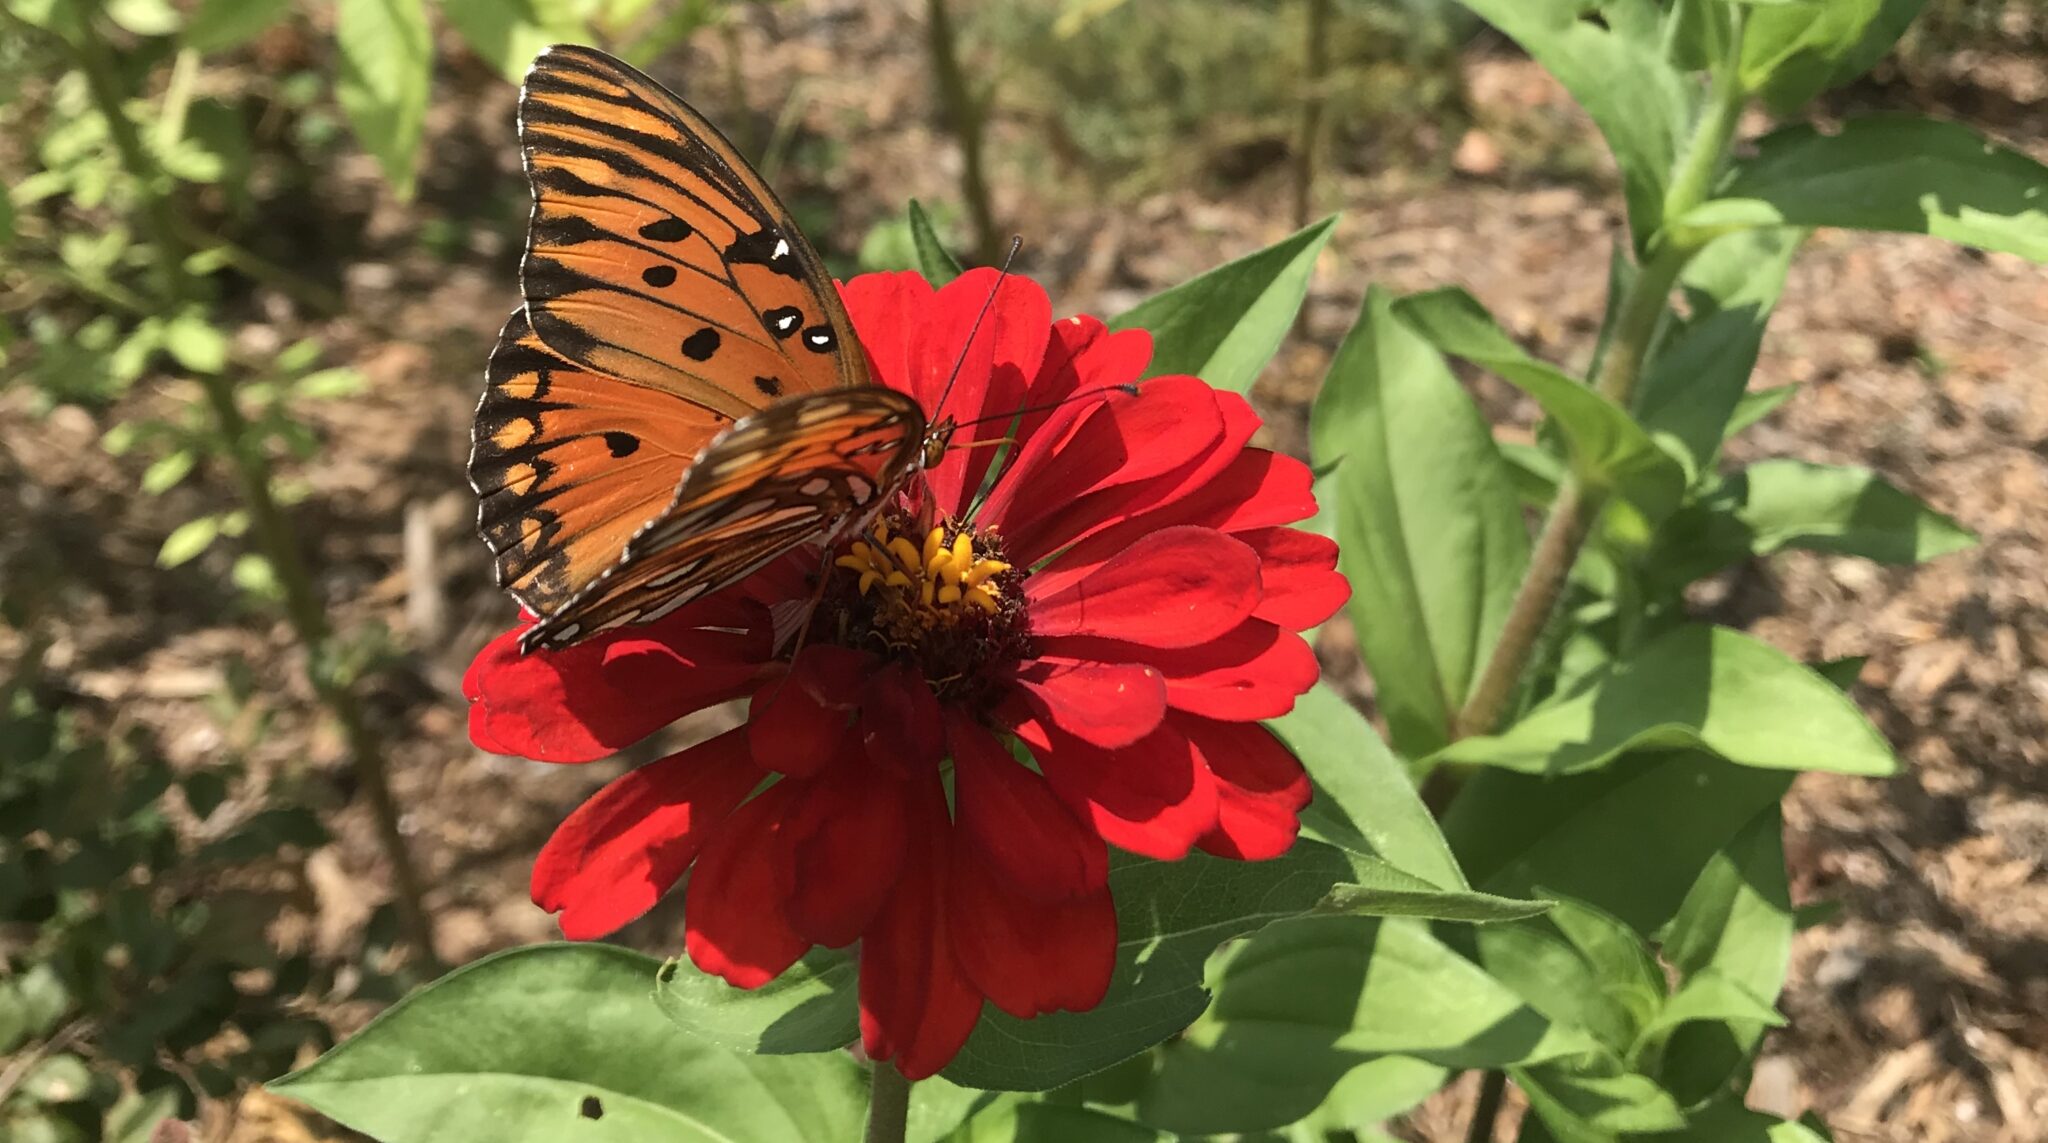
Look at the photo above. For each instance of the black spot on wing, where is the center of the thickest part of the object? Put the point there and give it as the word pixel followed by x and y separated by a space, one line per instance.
pixel 659 276
pixel 701 345
pixel 820 339
pixel 782 321
pixel 768 386
pixel 621 444
pixel 666 230
pixel 765 247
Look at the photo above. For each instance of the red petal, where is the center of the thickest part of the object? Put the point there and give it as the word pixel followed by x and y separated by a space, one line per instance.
pixel 1261 788
pixel 1111 510
pixel 844 835
pixel 1082 353
pixel 1108 704
pixel 1029 957
pixel 797 722
pixel 1031 838
pixel 1298 572
pixel 900 723
pixel 733 907
pixel 1258 489
pixel 1152 798
pixel 591 700
pixel 916 1005
pixel 613 858
pixel 1104 444
pixel 1174 588
pixel 1255 671
pixel 887 313
pixel 984 341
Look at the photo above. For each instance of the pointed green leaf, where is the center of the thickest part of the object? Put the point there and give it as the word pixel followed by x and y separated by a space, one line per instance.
pixel 1668 813
pixel 933 258
pixel 1839 509
pixel 187 540
pixel 1364 799
pixel 507 34
pixel 1377 889
pixel 1616 69
pixel 1226 324
pixel 1757 404
pixel 1890 172
pixel 1793 52
pixel 386 62
pixel 812 1007
pixel 1710 997
pixel 1582 1107
pixel 1303 1002
pixel 555 1042
pixel 1431 536
pixel 1706 687
pixel 1608 450
pixel 1737 917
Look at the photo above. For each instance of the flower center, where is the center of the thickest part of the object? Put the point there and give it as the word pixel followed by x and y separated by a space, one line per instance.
pixel 943 601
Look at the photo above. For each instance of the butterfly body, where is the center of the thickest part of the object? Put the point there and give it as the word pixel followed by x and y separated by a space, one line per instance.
pixel 682 398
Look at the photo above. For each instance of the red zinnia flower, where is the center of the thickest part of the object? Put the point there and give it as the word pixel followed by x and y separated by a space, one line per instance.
pixel 1119 603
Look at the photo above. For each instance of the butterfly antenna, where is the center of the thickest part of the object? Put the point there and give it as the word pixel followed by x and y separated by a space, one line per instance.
pixel 1016 244
pixel 1130 390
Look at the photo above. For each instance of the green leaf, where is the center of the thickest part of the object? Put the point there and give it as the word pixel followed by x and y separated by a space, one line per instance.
pixel 1582 1107
pixel 217 25
pixel 1839 509
pixel 387 64
pixel 1377 889
pixel 1431 536
pixel 1364 800
pixel 1693 388
pixel 1629 839
pixel 938 264
pixel 1793 52
pixel 1889 172
pixel 1580 966
pixel 1709 997
pixel 1190 1096
pixel 143 17
pixel 1619 74
pixel 1223 326
pixel 1697 33
pixel 507 34
pixel 167 471
pixel 1728 1121
pixel 1031 1121
pixel 811 1007
pixel 1303 1002
pixel 1694 686
pixel 1608 450
pixel 195 343
pixel 188 540
pixel 1170 916
pixel 1757 404
pixel 554 1042
pixel 1737 917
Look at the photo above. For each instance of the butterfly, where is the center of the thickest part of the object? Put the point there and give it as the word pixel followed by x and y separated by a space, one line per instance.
pixel 682 398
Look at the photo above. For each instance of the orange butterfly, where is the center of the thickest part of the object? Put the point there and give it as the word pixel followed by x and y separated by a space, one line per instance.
pixel 682 399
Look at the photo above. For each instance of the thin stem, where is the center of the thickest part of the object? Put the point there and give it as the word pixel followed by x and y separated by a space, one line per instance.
pixel 1693 179
pixel 1315 96
pixel 888 1103
pixel 273 531
pixel 1492 1086
pixel 967 114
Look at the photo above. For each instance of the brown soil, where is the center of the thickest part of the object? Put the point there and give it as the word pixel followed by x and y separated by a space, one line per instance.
pixel 1917 1011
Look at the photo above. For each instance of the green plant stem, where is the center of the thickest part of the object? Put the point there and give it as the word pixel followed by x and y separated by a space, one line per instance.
pixel 966 114
pixel 888 1103
pixel 1577 506
pixel 1492 1086
pixel 273 531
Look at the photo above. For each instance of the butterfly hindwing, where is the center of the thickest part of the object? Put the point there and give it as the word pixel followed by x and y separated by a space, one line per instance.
pixel 657 256
pixel 807 469
pixel 568 466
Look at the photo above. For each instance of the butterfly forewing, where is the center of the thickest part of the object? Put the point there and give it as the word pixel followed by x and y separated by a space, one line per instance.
pixel 807 469
pixel 658 257
pixel 569 465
